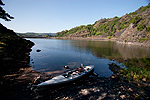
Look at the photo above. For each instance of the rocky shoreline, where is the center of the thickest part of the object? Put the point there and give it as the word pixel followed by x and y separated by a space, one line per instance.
pixel 87 38
pixel 16 86
pixel 144 44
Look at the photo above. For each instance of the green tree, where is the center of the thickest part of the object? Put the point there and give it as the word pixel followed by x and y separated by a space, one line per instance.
pixel 3 13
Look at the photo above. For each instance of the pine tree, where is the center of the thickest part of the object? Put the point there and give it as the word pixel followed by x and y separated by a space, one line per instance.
pixel 3 13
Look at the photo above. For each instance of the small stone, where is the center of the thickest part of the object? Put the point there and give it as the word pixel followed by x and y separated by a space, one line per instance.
pixel 119 92
pixel 144 79
pixel 38 50
pixel 139 84
pixel 122 96
pixel 84 92
pixel 113 77
pixel 122 87
pixel 130 89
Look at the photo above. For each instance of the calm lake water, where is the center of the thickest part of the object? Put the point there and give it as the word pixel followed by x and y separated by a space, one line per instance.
pixel 55 54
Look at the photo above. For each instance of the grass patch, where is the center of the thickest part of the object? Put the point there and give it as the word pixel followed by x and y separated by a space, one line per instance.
pixel 143 39
pixel 137 70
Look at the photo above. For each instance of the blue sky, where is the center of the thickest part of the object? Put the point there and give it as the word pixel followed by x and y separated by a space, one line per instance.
pixel 58 15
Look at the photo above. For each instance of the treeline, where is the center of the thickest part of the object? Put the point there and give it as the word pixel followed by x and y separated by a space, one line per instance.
pixel 31 34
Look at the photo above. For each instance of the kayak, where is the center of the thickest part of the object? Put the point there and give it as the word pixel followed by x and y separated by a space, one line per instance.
pixel 67 77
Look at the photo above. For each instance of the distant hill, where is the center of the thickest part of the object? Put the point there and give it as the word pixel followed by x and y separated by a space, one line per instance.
pixel 132 27
pixel 31 34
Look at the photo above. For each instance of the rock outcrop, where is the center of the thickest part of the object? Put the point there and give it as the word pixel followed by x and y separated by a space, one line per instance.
pixel 84 33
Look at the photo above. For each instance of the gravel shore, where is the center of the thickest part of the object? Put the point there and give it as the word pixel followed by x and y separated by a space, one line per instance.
pixel 91 88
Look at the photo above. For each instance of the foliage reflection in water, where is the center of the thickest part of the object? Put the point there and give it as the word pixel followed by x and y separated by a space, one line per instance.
pixel 57 53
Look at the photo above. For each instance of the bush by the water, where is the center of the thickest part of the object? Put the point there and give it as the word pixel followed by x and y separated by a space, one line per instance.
pixel 137 70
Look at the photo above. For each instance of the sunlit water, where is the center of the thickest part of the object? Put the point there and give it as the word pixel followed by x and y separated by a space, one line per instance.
pixel 55 54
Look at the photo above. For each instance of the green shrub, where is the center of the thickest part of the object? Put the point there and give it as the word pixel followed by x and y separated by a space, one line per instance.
pixel 99 33
pixel 109 37
pixel 133 13
pixel 116 17
pixel 148 28
pixel 93 33
pixel 144 8
pixel 140 27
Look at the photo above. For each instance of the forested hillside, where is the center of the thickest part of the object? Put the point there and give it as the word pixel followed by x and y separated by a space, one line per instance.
pixel 132 27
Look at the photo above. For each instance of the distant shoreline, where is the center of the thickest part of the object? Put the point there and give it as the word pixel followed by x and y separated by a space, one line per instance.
pixel 77 38
pixel 144 44
pixel 87 38
pixel 33 37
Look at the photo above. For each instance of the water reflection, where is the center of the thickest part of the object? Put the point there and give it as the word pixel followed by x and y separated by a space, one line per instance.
pixel 130 51
pixel 57 53
pixel 113 50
